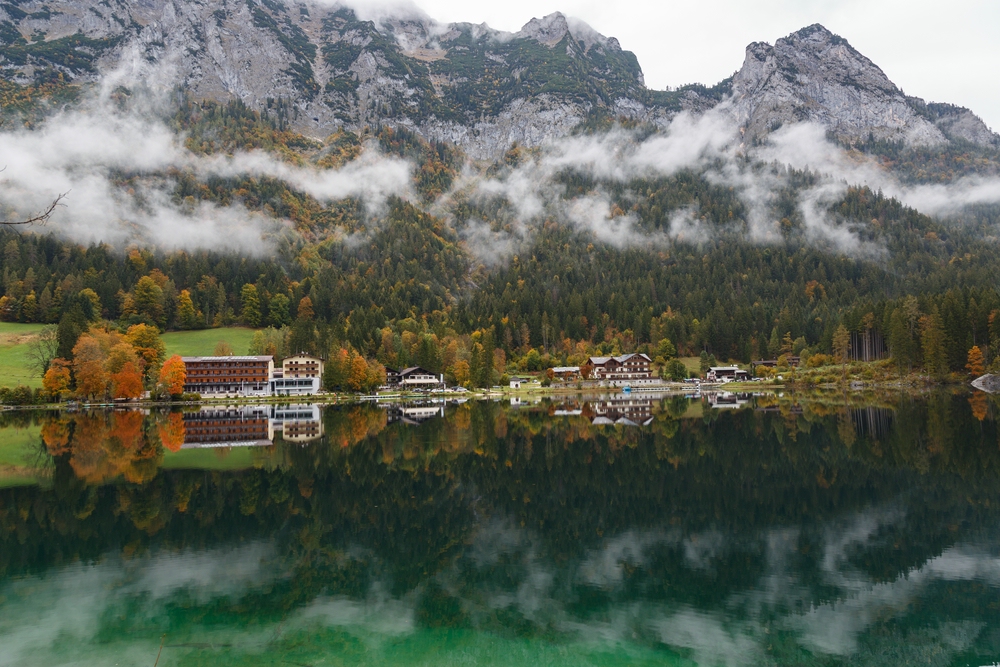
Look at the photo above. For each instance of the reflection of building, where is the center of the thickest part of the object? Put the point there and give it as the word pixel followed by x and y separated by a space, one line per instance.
pixel 627 411
pixel 228 376
pixel 297 423
pixel 251 426
pixel 630 367
pixel 226 427
pixel 727 399
pixel 414 413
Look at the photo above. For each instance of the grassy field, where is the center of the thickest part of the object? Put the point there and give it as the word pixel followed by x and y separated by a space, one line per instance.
pixel 14 363
pixel 693 364
pixel 202 343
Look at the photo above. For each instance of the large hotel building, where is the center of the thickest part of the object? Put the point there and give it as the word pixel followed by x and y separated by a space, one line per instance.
pixel 299 375
pixel 228 376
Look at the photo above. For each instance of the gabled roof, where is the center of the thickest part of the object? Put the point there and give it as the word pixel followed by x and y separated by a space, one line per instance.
pixel 416 369
pixel 305 355
pixel 600 361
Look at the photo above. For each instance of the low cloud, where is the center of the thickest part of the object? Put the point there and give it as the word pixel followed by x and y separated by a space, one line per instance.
pixel 114 168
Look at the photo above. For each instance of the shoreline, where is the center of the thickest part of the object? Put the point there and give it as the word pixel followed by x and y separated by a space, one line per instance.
pixel 857 387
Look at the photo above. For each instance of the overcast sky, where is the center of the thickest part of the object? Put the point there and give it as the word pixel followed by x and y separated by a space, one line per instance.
pixel 940 51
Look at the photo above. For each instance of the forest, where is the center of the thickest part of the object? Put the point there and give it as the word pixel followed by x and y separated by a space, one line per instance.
pixel 408 288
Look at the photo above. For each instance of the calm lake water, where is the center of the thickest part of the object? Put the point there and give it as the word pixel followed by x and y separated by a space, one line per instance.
pixel 722 530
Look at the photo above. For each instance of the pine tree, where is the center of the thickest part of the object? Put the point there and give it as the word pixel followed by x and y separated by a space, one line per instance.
pixel 932 343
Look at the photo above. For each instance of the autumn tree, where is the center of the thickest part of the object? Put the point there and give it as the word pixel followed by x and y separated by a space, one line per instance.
pixel 148 299
pixel 337 370
pixel 357 378
pixel 147 343
pixel 187 315
pixel 127 382
pixel 88 367
pixel 57 378
pixel 223 349
pixel 975 364
pixel 305 309
pixel 120 355
pixel 173 375
pixel 250 305
pixel 460 371
pixel 172 432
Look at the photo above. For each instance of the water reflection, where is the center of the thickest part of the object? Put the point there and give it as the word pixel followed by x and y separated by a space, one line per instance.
pixel 610 530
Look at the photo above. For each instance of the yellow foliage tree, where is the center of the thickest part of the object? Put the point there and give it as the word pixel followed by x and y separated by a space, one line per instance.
pixel 56 380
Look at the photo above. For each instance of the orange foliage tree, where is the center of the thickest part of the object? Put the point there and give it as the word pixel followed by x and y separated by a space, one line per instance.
pixel 127 383
pixel 976 365
pixel 88 367
pixel 172 432
pixel 173 374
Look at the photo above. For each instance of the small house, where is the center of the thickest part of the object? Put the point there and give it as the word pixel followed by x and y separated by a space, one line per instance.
pixel 515 383
pixel 727 374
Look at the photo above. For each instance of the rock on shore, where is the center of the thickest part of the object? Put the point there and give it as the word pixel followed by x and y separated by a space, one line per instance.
pixel 990 383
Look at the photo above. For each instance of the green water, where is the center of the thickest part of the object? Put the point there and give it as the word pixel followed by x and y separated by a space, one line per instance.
pixel 761 530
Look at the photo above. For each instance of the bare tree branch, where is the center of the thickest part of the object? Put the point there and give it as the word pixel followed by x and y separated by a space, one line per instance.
pixel 40 218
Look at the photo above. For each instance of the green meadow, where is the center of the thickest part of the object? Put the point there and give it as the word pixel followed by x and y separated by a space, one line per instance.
pixel 14 363
pixel 201 343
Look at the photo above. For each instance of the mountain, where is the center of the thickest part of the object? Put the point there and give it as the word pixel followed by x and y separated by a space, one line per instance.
pixel 475 87
pixel 814 75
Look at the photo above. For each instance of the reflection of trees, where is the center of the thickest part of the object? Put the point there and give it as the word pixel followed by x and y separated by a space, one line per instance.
pixel 373 501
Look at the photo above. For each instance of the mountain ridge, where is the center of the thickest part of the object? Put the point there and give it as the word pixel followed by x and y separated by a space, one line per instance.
pixel 478 88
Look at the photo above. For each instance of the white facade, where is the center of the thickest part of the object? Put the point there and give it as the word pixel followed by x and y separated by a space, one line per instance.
pixel 292 386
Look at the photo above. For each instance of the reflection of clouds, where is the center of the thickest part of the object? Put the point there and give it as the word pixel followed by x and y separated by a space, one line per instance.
pixel 50 619
pixel 46 619
pixel 711 640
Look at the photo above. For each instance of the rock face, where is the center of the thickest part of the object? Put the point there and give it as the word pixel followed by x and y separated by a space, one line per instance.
pixel 988 383
pixel 480 88
pixel 814 75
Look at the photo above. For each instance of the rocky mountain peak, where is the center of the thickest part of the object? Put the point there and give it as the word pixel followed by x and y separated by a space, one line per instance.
pixel 550 30
pixel 815 75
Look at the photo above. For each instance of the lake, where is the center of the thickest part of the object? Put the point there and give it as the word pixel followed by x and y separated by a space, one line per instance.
pixel 720 529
